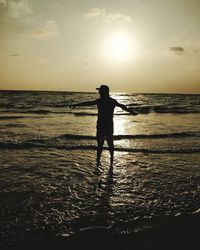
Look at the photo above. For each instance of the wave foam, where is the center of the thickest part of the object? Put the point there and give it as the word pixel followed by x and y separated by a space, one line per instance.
pixel 28 145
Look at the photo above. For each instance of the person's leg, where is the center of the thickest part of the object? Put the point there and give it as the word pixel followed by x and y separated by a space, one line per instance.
pixel 109 139
pixel 100 142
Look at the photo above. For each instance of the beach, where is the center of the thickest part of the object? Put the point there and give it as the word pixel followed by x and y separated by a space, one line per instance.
pixel 54 195
pixel 174 233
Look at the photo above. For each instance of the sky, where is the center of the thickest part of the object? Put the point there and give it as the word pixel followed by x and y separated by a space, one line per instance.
pixel 145 46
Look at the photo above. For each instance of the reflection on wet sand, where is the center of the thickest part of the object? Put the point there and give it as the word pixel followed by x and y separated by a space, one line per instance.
pixel 103 192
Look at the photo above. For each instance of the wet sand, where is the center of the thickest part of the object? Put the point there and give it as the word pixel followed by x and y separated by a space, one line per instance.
pixel 39 210
pixel 174 233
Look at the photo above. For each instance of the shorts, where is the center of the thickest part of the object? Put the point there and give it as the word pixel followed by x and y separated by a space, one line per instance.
pixel 104 131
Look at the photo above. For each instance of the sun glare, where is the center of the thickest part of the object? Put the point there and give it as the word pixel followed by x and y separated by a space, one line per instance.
pixel 119 47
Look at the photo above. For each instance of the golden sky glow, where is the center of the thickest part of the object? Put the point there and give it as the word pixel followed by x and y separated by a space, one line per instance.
pixel 133 45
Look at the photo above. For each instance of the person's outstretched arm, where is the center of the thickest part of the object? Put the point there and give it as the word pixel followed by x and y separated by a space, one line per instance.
pixel 82 104
pixel 122 106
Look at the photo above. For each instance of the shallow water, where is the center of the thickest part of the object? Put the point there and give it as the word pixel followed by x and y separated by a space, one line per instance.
pixel 50 184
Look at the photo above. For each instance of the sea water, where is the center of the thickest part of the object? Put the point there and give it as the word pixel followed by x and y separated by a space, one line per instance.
pixel 50 183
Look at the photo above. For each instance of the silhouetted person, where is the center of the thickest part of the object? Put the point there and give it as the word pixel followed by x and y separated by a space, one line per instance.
pixel 106 106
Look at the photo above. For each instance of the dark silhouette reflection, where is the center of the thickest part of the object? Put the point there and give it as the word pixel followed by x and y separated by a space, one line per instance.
pixel 106 106
pixel 104 194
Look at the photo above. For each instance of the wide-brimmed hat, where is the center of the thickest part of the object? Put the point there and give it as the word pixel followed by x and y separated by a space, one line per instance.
pixel 103 88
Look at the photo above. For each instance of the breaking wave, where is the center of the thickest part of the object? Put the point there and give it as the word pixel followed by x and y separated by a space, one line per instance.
pixel 26 145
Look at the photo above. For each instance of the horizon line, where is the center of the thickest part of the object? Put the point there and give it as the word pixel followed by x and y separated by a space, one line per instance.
pixel 75 91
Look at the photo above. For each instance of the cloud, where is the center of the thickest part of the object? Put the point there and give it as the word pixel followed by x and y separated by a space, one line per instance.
pixel 177 50
pixel 3 4
pixel 103 14
pixel 49 29
pixel 16 9
pixel 19 17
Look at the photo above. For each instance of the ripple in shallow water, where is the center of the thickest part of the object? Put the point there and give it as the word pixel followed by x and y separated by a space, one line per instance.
pixel 58 191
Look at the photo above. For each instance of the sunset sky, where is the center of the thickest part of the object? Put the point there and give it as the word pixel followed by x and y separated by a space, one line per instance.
pixel 132 45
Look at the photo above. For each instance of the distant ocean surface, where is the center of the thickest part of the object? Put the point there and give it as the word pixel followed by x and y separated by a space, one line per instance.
pixel 49 180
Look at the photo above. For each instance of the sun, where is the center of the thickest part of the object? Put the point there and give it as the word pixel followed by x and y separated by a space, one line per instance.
pixel 119 47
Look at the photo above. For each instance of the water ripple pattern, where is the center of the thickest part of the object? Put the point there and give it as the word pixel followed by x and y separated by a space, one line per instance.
pixel 49 181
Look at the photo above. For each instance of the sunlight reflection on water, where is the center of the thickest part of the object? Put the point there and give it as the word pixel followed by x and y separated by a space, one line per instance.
pixel 46 185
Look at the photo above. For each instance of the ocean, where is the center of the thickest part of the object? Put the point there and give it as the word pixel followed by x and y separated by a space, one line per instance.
pixel 50 183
